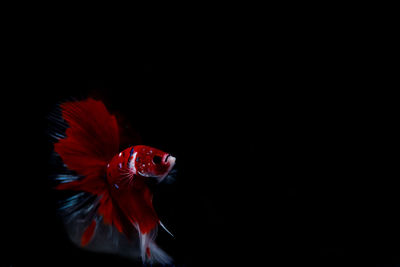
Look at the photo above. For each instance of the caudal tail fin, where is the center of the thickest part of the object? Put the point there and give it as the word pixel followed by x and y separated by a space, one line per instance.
pixel 86 138
pixel 91 138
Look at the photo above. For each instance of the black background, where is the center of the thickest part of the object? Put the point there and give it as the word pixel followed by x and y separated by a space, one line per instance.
pixel 271 128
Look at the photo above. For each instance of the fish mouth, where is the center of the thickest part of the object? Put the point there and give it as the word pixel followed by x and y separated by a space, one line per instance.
pixel 168 159
pixel 171 160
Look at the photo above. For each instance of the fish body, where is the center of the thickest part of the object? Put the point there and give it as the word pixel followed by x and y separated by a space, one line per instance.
pixel 127 174
pixel 111 209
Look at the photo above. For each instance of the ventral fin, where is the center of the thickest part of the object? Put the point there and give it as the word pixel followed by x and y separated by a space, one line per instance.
pixel 88 234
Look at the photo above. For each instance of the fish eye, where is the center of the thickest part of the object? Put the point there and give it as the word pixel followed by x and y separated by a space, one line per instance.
pixel 157 159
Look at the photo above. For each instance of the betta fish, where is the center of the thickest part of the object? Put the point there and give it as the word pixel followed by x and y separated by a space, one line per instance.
pixel 111 208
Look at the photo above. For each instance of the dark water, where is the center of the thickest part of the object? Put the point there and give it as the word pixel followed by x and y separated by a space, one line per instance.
pixel 274 146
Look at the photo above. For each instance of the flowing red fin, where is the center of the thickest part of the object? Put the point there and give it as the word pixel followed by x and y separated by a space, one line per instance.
pixel 136 202
pixel 91 140
pixel 112 215
pixel 88 234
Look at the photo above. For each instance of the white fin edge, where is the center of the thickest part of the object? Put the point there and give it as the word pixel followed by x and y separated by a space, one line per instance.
pixel 162 225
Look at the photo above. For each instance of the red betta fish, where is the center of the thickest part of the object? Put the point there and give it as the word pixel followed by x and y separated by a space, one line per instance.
pixel 111 209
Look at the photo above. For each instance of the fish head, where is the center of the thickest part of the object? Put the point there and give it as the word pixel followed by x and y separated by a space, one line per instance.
pixel 152 162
